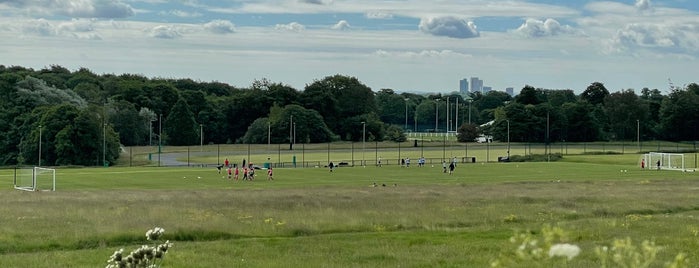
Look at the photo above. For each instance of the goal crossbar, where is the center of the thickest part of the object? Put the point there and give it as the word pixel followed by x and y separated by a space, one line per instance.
pixel 668 161
pixel 35 179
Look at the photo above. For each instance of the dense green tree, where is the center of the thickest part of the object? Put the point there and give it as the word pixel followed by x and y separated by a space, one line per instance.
pixel 338 98
pixel 309 125
pixel 394 133
pixel 392 107
pixel 128 123
pixel 556 98
pixel 595 93
pixel 35 92
pixel 581 125
pixel 492 100
pixel 679 115
pixel 467 132
pixel 75 143
pixel 623 110
pixel 528 95
pixel 180 126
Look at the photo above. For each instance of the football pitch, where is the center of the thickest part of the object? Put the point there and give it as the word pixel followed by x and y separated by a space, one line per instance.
pixel 311 217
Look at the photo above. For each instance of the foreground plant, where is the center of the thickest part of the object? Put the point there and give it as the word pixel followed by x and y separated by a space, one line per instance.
pixel 546 251
pixel 551 249
pixel 144 256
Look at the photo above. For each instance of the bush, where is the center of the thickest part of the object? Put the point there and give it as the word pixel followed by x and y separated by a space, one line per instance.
pixel 536 158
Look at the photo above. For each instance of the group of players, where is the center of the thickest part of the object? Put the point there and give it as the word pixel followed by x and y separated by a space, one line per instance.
pixel 233 171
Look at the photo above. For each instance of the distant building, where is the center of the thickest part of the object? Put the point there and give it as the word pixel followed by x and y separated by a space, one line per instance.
pixel 510 91
pixel 476 85
pixel 463 86
pixel 485 90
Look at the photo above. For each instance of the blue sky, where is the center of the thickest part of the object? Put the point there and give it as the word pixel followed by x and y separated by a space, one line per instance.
pixel 406 45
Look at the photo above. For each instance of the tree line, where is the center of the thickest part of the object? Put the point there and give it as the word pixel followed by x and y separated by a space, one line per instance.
pixel 82 118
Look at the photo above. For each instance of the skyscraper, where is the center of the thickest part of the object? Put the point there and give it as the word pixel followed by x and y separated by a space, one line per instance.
pixel 476 85
pixel 510 91
pixel 463 86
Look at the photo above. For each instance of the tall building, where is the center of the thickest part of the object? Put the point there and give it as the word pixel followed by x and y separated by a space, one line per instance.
pixel 476 85
pixel 463 86
pixel 510 91
pixel 485 90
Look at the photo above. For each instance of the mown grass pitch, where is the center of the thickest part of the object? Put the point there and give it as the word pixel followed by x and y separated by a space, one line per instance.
pixel 313 218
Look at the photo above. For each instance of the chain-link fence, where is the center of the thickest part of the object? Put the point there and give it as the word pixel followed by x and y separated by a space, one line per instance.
pixel 434 150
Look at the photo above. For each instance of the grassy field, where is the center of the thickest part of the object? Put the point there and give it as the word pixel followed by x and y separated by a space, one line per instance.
pixel 313 218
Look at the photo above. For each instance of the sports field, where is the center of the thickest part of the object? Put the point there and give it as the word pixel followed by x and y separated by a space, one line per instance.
pixel 310 217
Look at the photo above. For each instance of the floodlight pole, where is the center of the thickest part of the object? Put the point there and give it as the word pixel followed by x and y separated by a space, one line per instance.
pixel 638 134
pixel 406 113
pixel 160 136
pixel 363 141
pixel 201 137
pixel 447 120
pixel 436 115
pixel 469 111
pixel 39 145
pixel 456 120
pixel 104 144
pixel 508 139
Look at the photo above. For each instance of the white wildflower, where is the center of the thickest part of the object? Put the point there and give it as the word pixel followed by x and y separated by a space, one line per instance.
pixel 564 250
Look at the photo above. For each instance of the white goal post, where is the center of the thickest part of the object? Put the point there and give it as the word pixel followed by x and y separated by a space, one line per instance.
pixel 669 161
pixel 35 179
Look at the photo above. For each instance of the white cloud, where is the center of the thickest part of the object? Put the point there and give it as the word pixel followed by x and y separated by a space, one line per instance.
pixel 342 25
pixel 447 54
pixel 681 39
pixel 404 8
pixel 315 2
pixel 378 15
pixel 165 32
pixel 293 27
pixel 539 28
pixel 182 14
pixel 220 26
pixel 39 27
pixel 643 4
pixel 449 26
pixel 78 25
pixel 75 9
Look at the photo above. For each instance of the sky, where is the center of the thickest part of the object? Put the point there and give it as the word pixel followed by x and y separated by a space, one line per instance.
pixel 404 45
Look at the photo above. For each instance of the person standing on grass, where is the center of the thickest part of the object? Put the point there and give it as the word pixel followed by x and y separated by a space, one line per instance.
pixel 643 163
pixel 245 173
pixel 229 172
pixel 451 168
pixel 444 166
pixel 225 163
pixel 269 174
pixel 331 166
pixel 236 172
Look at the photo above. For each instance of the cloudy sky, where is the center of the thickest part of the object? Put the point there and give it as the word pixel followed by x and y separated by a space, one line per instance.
pixel 406 45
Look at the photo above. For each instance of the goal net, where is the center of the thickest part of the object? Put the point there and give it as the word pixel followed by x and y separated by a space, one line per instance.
pixel 667 161
pixel 35 179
